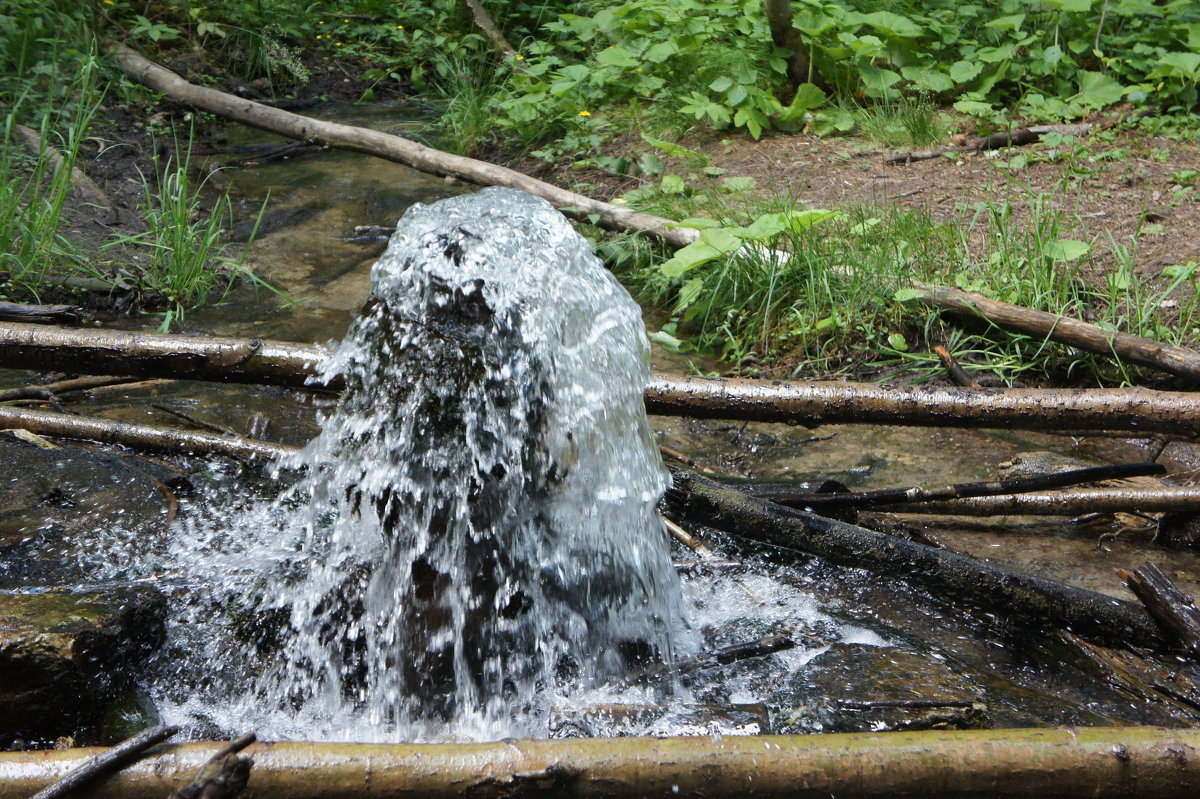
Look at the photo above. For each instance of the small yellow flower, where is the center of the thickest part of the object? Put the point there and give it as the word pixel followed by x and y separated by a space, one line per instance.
pixel 346 21
pixel 319 37
pixel 339 44
pixel 520 57
pixel 322 22
pixel 108 2
pixel 639 69
pixel 399 27
pixel 585 113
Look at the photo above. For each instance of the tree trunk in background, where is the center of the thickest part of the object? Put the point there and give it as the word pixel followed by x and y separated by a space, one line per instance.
pixel 784 34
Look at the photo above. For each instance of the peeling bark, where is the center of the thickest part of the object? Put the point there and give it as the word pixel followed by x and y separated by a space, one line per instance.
pixel 1144 762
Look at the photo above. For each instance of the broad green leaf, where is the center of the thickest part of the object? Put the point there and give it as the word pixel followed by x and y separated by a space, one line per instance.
pixel 721 84
pixel 802 220
pixel 877 80
pixel 893 25
pixel 928 78
pixel 908 295
pixel 1069 5
pixel 677 150
pixel 658 53
pixel 896 341
pixel 963 71
pixel 807 98
pixel 667 340
pixel 1066 249
pixel 713 244
pixel 1011 22
pixel 739 183
pixel 699 222
pixel 1177 65
pixel 650 164
pixel 973 107
pixel 1097 90
pixel 672 184
pixel 737 95
pixel 616 57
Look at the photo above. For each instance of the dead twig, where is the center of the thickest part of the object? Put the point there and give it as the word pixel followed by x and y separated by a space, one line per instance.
pixel 107 762
pixel 225 774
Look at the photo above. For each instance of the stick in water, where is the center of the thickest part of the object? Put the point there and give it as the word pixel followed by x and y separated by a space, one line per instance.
pixel 112 760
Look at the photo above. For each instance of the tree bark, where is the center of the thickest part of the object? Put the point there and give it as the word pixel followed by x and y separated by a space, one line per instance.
pixel 1033 601
pixel 392 148
pixel 485 23
pixel 813 404
pixel 1179 361
pixel 105 761
pixel 785 35
pixel 1102 763
pixel 137 436
pixel 262 361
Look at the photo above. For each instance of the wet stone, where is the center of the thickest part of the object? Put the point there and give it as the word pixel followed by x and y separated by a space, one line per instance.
pixel 64 656
pixel 861 688
pixel 56 504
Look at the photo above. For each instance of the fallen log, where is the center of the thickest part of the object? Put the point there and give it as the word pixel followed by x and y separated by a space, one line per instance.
pixel 1102 763
pixel 817 403
pixel 1033 601
pixel 1169 606
pixel 138 436
pixel 393 148
pixel 87 188
pixel 40 314
pixel 262 361
pixel 873 498
pixel 1184 499
pixel 1179 361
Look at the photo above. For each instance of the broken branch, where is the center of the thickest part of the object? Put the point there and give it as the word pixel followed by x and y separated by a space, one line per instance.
pixel 138 436
pixel 1179 361
pixel 106 762
pixel 1169 606
pixel 393 148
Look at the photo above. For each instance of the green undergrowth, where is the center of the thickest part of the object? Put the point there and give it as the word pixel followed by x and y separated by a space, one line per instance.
pixel 771 282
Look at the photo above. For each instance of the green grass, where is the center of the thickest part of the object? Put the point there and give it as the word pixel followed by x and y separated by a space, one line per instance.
pixel 34 187
pixel 185 258
pixel 825 294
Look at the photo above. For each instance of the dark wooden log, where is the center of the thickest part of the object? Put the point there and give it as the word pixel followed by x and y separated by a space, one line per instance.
pixel 40 314
pixel 223 776
pixel 958 375
pixel 1169 606
pixel 1033 601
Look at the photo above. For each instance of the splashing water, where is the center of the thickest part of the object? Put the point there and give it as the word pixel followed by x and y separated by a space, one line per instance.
pixel 475 529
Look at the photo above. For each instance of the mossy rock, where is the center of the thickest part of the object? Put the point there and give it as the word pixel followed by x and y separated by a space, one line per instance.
pixel 65 655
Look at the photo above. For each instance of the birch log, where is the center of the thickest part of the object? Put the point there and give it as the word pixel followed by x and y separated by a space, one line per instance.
pixel 262 361
pixel 393 148
pixel 1099 763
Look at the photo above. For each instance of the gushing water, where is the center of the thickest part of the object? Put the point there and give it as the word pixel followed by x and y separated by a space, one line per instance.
pixel 475 529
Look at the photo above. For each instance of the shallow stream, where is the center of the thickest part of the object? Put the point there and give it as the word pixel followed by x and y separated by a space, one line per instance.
pixel 870 654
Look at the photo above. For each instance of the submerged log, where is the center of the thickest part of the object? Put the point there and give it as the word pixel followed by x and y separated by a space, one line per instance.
pixel 393 148
pixel 268 362
pixel 1169 606
pixel 1031 600
pixel 137 436
pixel 1179 361
pixel 1144 762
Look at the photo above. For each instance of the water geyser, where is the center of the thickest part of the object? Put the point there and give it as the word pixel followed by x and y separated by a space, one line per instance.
pixel 474 532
